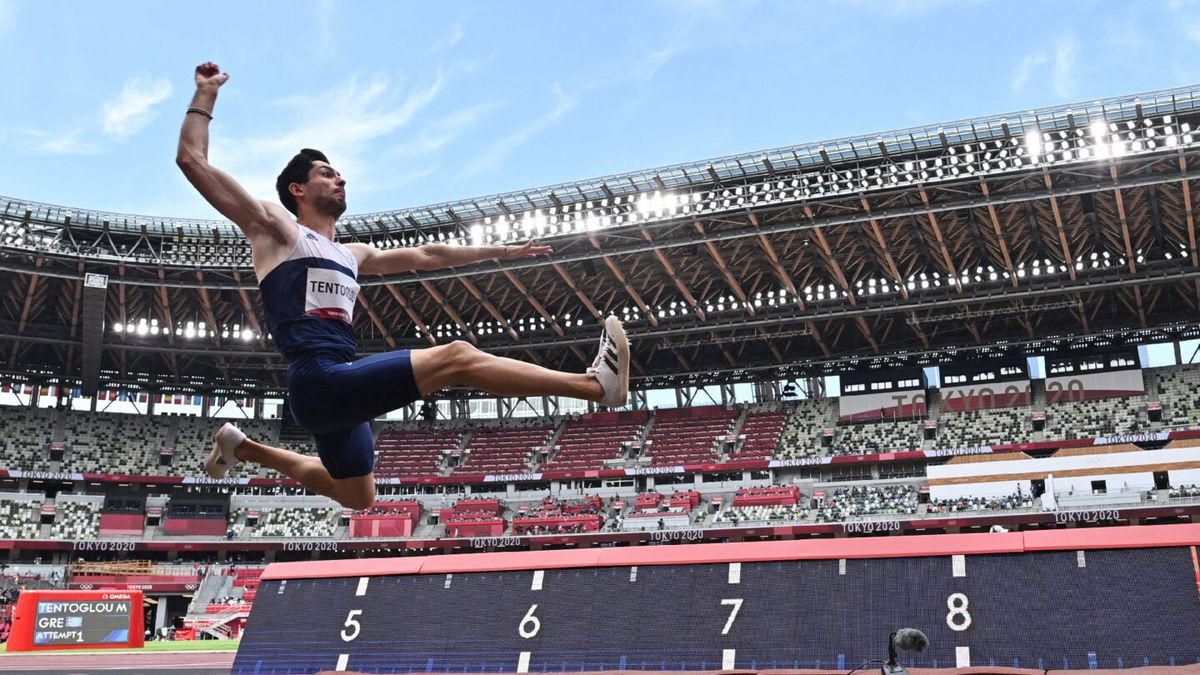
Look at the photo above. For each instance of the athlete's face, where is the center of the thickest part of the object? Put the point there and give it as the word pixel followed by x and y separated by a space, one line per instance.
pixel 325 190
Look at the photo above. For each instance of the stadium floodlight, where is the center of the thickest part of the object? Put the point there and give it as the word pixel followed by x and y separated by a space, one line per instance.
pixel 1099 130
pixel 501 229
pixel 1033 144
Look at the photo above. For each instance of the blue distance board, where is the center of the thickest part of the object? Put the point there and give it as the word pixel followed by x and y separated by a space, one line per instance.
pixel 1047 610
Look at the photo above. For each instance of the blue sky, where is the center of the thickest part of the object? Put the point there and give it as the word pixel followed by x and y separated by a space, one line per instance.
pixel 420 102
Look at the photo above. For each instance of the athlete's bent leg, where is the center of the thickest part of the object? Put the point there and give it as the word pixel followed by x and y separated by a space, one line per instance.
pixel 231 446
pixel 357 492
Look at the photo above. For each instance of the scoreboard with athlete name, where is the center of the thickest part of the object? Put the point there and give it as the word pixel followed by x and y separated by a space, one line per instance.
pixel 76 620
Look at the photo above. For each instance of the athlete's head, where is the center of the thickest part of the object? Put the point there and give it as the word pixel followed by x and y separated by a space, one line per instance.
pixel 308 177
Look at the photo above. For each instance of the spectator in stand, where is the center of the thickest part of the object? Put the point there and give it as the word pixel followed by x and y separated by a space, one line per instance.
pixel 1185 491
pixel 1013 501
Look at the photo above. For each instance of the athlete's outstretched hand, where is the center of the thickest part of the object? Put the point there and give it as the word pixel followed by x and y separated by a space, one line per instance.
pixel 208 74
pixel 526 250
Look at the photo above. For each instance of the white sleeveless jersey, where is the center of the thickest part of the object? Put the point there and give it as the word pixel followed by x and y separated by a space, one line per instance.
pixel 309 297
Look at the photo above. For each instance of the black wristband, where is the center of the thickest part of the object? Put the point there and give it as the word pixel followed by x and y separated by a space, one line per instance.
pixel 200 111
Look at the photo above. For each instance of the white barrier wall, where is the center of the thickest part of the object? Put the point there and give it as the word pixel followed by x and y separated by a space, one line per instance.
pixel 1087 386
pixel 881 405
pixel 1134 470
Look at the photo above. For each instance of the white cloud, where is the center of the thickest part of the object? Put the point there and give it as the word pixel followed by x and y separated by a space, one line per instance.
pixel 1063 80
pixel 495 153
pixel 8 14
pixel 1061 61
pixel 323 24
pixel 1026 68
pixel 133 108
pixel 348 123
pixel 70 143
pixel 903 8
pixel 25 140
pixel 708 10
pixel 437 134
pixel 456 35
pixel 636 74
pixel 647 68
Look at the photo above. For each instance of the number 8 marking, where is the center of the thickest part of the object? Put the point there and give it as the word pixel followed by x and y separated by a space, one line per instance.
pixel 958 603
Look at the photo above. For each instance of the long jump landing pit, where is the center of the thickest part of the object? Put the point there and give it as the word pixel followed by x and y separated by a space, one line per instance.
pixel 1080 599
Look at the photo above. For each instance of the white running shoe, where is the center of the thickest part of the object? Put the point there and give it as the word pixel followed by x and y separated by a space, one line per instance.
pixel 611 367
pixel 221 458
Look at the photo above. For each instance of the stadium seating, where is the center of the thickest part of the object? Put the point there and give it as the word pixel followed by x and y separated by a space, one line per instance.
pixel 297 522
pixel 767 495
pixel 1098 417
pixel 76 520
pixel 992 426
pixel 847 503
pixel 19 518
pixel 503 449
pixel 736 515
pixel 115 443
pixel 552 516
pixel 585 443
pixel 801 433
pixel 465 523
pixel 1179 393
pixel 413 452
pixel 760 434
pixel 26 438
pixel 237 521
pixel 687 435
pixel 875 437
pixel 1013 501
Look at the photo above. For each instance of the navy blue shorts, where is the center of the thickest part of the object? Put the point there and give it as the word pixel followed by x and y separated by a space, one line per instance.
pixel 335 399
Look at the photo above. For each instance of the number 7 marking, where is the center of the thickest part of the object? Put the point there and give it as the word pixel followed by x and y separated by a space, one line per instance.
pixel 737 606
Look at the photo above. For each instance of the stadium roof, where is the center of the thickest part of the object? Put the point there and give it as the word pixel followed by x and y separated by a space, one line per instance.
pixel 1014 232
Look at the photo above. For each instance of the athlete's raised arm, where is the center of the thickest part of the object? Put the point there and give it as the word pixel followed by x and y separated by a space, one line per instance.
pixel 255 218
pixel 436 256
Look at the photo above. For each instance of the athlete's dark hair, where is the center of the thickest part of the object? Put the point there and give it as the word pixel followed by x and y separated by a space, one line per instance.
pixel 296 171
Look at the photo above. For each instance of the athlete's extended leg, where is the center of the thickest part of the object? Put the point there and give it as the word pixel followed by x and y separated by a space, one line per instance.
pixel 461 363
pixel 607 381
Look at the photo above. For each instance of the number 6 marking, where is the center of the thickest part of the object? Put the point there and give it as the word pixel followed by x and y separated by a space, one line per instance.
pixel 737 606
pixel 529 619
pixel 958 618
pixel 351 622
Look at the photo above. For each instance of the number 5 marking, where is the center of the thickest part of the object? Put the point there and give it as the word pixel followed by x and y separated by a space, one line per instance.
pixel 351 622
pixel 737 606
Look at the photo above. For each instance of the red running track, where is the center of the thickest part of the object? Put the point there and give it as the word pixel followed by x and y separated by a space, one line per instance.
pixel 191 663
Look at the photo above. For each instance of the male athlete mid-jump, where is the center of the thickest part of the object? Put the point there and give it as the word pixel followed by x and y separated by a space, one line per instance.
pixel 309 286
